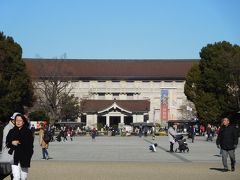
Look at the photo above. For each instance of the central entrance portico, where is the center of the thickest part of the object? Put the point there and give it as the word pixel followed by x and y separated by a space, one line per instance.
pixel 114 115
pixel 114 112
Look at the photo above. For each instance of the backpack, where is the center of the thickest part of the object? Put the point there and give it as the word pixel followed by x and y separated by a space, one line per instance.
pixel 46 137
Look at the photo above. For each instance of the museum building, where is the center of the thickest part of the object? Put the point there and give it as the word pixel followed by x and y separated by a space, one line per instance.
pixel 115 91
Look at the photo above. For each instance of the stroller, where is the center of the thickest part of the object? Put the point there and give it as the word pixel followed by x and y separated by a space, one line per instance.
pixel 182 144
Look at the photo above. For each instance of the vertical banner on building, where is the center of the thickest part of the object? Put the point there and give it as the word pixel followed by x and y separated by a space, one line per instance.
pixel 164 104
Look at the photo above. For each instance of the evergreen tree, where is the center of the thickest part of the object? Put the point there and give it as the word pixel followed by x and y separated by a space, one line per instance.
pixel 70 109
pixel 213 85
pixel 38 116
pixel 16 91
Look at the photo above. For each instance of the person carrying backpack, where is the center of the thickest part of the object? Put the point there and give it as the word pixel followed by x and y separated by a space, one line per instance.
pixel 44 142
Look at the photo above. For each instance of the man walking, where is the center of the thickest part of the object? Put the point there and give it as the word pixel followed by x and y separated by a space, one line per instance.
pixel 227 140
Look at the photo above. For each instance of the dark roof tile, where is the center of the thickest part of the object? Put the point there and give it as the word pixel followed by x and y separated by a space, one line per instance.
pixel 94 106
pixel 109 69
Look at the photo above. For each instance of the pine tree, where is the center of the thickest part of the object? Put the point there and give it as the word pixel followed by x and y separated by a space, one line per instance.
pixel 213 85
pixel 16 91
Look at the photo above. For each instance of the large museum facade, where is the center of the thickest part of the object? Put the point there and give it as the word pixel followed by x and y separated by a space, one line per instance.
pixel 120 91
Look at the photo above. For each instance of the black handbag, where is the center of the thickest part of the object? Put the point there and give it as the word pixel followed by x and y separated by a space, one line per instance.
pixel 5 169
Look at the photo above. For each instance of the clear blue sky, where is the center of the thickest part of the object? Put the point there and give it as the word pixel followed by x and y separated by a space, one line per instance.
pixel 128 29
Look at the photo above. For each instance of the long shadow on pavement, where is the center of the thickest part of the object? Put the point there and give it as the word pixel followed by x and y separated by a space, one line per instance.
pixel 173 154
pixel 217 169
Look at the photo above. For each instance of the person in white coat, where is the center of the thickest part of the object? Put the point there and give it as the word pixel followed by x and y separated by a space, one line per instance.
pixel 172 132
pixel 6 158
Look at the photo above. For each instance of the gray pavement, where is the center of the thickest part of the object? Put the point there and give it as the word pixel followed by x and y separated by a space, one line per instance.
pixel 129 149
pixel 129 158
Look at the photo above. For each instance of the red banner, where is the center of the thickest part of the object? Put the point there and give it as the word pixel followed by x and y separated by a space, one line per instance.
pixel 164 104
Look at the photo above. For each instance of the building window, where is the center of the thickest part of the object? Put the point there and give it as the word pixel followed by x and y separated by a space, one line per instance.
pixel 130 96
pixel 115 95
pixel 101 95
pixel 145 117
pixel 101 120
pixel 128 120
pixel 84 119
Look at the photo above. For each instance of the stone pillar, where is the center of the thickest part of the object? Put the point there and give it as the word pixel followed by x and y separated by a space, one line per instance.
pixel 134 118
pixel 107 120
pixel 95 120
pixel 122 119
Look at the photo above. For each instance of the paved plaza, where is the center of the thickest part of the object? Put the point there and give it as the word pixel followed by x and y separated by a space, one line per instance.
pixel 129 149
pixel 129 158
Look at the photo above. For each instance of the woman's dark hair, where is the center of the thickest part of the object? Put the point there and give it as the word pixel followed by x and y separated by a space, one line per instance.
pixel 26 123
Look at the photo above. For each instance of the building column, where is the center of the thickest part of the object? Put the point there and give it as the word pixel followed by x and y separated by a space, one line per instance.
pixel 78 119
pixel 122 119
pixel 134 118
pixel 107 120
pixel 95 120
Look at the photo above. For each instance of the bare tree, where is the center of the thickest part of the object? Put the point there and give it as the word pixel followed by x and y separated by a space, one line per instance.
pixel 50 88
pixel 234 84
pixel 50 93
pixel 188 111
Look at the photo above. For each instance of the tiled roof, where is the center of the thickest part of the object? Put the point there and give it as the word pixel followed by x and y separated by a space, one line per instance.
pixel 94 106
pixel 110 69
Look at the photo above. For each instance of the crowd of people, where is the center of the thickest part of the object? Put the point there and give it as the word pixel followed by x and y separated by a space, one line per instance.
pixel 18 138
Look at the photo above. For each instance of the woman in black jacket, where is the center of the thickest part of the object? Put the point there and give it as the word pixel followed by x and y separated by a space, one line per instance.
pixel 20 142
